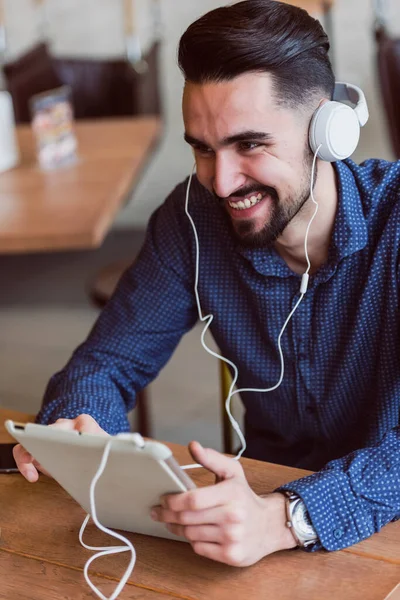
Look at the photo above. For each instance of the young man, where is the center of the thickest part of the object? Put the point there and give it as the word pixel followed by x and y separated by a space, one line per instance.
pixel 255 73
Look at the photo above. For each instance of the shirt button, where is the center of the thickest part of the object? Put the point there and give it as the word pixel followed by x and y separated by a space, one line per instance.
pixel 338 533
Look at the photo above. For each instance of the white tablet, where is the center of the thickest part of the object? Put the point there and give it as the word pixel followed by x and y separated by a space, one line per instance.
pixel 137 473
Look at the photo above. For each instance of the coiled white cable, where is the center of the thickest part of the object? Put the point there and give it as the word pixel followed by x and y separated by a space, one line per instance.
pixel 105 550
pixel 207 319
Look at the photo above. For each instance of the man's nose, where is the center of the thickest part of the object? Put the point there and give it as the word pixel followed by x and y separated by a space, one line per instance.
pixel 227 176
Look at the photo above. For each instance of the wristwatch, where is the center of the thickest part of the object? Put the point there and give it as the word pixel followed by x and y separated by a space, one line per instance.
pixel 298 520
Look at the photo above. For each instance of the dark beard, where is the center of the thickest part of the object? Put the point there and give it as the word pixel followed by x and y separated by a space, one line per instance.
pixel 281 215
pixel 280 218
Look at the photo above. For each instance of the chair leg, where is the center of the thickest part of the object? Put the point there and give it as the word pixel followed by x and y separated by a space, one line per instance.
pixel 143 413
pixel 225 384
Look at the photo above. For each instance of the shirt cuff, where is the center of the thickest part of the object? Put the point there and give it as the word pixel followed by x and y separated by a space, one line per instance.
pixel 337 515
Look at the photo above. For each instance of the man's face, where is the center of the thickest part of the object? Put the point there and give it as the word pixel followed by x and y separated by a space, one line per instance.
pixel 250 153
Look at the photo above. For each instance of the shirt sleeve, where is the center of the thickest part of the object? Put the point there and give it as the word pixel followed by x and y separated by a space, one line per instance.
pixel 353 497
pixel 135 335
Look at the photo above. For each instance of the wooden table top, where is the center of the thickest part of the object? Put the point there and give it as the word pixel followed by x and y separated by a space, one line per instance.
pixel 73 207
pixel 40 555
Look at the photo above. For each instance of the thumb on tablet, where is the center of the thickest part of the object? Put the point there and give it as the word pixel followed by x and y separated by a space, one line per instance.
pixel 223 466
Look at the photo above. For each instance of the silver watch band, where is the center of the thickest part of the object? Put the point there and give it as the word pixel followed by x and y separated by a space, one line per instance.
pixel 304 536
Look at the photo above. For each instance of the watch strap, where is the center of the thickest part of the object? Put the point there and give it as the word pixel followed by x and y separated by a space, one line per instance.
pixel 289 522
pixel 290 498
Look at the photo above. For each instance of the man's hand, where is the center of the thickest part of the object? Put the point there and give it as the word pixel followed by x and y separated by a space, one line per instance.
pixel 29 467
pixel 227 521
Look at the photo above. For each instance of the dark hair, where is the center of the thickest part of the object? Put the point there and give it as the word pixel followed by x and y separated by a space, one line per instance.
pixel 260 36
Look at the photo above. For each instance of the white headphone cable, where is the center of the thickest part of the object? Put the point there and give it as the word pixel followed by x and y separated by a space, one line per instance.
pixel 207 319
pixel 105 550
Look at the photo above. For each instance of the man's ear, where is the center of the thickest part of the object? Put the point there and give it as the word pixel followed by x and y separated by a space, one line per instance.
pixel 322 102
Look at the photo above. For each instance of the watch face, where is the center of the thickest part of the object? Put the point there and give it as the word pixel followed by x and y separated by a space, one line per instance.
pixel 302 522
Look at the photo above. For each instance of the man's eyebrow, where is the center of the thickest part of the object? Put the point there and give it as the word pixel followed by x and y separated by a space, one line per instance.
pixel 244 136
pixel 193 141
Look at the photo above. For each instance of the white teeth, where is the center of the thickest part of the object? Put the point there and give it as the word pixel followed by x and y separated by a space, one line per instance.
pixel 246 203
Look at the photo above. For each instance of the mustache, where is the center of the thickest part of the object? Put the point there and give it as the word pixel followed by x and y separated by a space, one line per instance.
pixel 248 190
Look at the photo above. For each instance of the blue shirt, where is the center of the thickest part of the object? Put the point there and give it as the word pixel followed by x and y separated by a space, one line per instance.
pixel 337 410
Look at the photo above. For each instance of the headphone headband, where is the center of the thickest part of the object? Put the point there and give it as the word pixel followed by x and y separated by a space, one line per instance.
pixel 347 92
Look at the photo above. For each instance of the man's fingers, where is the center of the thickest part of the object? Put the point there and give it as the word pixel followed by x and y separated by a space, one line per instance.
pixel 68 424
pixel 223 466
pixel 87 424
pixel 29 472
pixel 29 467
pixel 197 533
pixel 230 555
pixel 25 464
pixel 39 467
pixel 212 516
pixel 219 494
pixel 21 455
pixel 84 423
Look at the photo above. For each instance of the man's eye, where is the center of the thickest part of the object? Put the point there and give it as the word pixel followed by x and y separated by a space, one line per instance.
pixel 246 146
pixel 203 150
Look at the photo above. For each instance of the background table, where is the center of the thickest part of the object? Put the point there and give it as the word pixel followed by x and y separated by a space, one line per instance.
pixel 40 555
pixel 73 207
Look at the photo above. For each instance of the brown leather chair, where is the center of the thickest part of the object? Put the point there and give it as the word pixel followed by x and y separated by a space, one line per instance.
pixel 100 88
pixel 28 75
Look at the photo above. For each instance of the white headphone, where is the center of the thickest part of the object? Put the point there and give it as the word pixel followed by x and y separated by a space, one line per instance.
pixel 335 126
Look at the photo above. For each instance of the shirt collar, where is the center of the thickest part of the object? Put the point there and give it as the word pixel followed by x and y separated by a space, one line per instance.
pixel 349 233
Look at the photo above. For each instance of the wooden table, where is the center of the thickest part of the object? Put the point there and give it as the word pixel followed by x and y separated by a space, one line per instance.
pixel 73 207
pixel 41 558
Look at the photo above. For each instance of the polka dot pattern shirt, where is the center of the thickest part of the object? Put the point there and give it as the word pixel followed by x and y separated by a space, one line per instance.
pixel 337 410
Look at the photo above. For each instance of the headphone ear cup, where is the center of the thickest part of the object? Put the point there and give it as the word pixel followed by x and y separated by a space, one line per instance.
pixel 334 126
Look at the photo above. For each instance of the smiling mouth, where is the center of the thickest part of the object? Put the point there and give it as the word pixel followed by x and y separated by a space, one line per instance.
pixel 248 202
